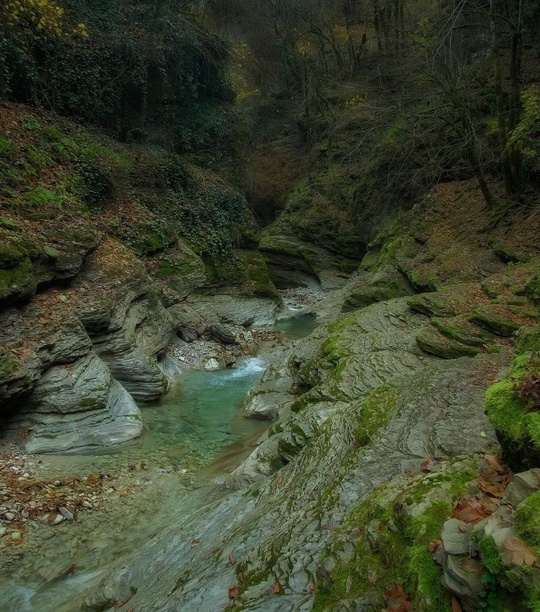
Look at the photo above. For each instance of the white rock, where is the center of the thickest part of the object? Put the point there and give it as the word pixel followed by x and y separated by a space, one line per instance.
pixel 16 535
pixel 58 519
pixel 3 531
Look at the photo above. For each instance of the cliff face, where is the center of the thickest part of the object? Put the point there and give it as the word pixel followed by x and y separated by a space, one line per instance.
pixel 97 254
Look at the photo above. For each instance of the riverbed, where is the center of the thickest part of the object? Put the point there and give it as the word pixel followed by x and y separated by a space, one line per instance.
pixel 130 493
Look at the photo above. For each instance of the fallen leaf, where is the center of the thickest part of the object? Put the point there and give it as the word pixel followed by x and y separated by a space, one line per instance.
pixel 437 551
pixel 428 464
pixel 232 560
pixel 241 577
pixel 234 591
pixel 456 606
pixel 280 480
pixel 494 463
pixel 516 552
pixel 195 543
pixel 277 587
pixel 397 600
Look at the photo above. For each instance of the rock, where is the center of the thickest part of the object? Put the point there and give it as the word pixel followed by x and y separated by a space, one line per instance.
pixel 521 486
pixel 361 403
pixel 9 516
pixel 187 334
pixel 16 536
pixel 455 537
pixel 65 513
pixel 222 333
pixel 239 310
pixel 212 364
pixel 87 505
pixel 58 519
pixel 463 576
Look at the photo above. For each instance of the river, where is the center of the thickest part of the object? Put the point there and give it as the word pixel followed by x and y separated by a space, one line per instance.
pixel 191 436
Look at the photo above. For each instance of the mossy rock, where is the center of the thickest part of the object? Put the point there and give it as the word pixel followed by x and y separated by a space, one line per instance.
pixel 385 541
pixel 506 252
pixel 461 330
pixel 257 275
pixel 528 340
pixel 384 286
pixel 434 343
pixel 494 320
pixel 10 364
pixel 431 304
pixel 11 255
pixel 527 520
pixel 518 428
pixel 375 413
pixel 17 283
pixel 532 288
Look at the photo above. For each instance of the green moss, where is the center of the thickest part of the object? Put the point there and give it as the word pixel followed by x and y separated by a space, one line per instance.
pixel 517 428
pixel 528 340
pixel 431 304
pixel 370 294
pixel 532 288
pixel 89 402
pixel 17 282
pixel 527 520
pixel 434 343
pixel 489 320
pixel 257 275
pixel 51 252
pixel 8 223
pixel 391 547
pixel 11 255
pixel 375 413
pixel 9 364
pixel 452 330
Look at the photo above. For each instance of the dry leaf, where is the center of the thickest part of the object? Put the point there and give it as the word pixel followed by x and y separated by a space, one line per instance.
pixel 516 552
pixel 280 480
pixel 456 606
pixel 397 600
pixel 277 588
pixel 234 591
pixel 232 560
pixel 195 543
pixel 428 464
pixel 494 463
pixel 437 551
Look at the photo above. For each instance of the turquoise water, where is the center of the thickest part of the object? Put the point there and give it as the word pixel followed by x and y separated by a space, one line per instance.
pixel 199 417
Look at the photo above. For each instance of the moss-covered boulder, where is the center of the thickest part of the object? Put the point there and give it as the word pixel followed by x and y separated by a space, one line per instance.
pixel 435 343
pixel 513 413
pixel 369 288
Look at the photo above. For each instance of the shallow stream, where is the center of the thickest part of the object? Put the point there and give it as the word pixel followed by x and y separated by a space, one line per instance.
pixel 192 435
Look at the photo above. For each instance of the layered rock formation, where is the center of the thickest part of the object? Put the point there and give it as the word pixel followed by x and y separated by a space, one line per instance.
pixel 379 435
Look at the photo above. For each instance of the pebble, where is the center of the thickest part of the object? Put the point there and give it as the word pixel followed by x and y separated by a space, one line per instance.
pixel 3 531
pixel 9 516
pixel 58 519
pixel 66 513
pixel 87 505
pixel 16 535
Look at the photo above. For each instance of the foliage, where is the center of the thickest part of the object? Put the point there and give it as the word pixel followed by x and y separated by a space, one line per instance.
pixel 208 221
pixel 143 71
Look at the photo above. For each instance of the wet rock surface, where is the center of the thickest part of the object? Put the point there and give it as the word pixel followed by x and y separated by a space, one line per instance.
pixel 330 448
